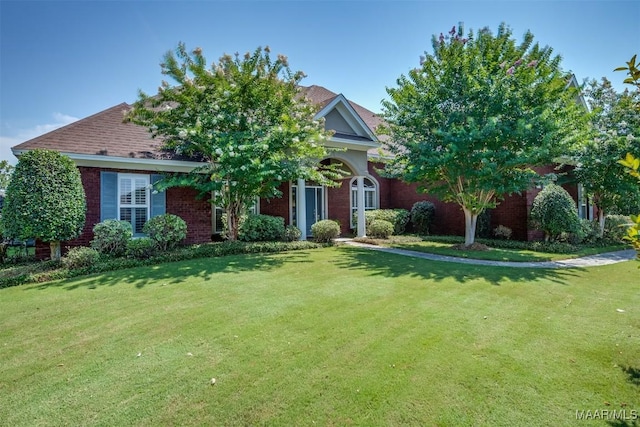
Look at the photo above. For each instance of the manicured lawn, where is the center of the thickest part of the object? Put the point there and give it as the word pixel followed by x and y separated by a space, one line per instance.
pixel 334 336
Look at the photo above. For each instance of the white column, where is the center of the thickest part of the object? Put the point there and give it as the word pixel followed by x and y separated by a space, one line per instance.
pixel 301 208
pixel 361 232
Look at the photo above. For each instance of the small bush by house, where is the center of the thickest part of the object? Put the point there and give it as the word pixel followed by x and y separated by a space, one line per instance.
pixel 291 233
pixel 111 236
pixel 261 228
pixel 166 231
pixel 80 257
pixel 397 217
pixel 380 229
pixel 554 212
pixel 422 215
pixel 325 230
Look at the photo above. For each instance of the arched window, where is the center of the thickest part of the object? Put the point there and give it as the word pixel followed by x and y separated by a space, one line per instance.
pixel 370 197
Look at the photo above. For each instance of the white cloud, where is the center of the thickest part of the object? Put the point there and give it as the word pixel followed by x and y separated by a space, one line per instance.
pixel 12 137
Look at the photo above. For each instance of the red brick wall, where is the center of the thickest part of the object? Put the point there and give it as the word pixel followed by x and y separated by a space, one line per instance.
pixel 180 201
pixel 277 206
pixel 339 205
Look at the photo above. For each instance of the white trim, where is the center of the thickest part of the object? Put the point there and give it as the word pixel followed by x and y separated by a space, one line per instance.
pixel 376 192
pixel 133 205
pixel 354 120
pixel 131 163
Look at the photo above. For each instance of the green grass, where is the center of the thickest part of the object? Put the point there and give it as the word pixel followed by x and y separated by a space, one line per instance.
pixel 500 254
pixel 334 336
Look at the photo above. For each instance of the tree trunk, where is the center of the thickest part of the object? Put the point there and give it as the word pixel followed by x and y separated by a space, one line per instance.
pixel 601 222
pixel 233 220
pixel 55 250
pixel 470 221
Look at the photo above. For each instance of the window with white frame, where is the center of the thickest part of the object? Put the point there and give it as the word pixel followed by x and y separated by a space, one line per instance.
pixel 370 197
pixel 134 200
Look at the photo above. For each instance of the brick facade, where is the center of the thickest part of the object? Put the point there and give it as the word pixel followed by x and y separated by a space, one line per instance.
pixel 513 212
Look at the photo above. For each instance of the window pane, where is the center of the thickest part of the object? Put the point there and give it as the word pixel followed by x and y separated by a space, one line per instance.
pixel 369 199
pixel 125 191
pixel 141 219
pixel 125 214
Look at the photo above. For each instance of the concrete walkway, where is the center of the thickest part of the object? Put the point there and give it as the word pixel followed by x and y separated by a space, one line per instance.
pixel 588 261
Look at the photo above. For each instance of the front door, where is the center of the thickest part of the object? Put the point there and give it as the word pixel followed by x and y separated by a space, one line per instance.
pixel 314 204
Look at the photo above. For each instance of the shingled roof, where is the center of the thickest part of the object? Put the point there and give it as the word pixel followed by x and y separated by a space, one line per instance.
pixel 106 134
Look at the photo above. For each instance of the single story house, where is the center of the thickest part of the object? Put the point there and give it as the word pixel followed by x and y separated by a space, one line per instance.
pixel 117 159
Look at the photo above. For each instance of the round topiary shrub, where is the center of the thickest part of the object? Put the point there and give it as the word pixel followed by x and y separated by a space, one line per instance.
pixel 80 257
pixel 555 212
pixel 165 231
pixel 44 200
pixel 111 237
pixel 325 230
pixel 291 233
pixel 422 214
pixel 261 228
pixel 380 229
pixel 141 248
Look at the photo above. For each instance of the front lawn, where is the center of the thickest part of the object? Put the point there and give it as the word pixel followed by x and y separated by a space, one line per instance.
pixel 333 336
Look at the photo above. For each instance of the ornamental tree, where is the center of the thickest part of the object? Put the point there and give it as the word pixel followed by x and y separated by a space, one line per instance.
pixel 44 200
pixel 478 113
pixel 616 126
pixel 630 162
pixel 244 118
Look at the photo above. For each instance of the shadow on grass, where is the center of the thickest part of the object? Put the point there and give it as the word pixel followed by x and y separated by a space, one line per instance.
pixel 383 264
pixel 633 374
pixel 179 271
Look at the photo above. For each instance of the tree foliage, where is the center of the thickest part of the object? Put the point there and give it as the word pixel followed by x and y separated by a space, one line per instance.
pixel 631 162
pixel 469 123
pixel 45 199
pixel 6 170
pixel 616 126
pixel 244 118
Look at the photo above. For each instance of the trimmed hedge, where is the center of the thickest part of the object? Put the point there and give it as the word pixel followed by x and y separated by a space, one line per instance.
pixel 50 270
pixel 397 217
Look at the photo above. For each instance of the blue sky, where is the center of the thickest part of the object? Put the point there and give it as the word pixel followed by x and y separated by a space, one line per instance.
pixel 60 61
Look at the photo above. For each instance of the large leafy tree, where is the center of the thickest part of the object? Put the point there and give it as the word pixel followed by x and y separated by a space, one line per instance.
pixel 631 162
pixel 45 200
pixel 479 112
pixel 244 118
pixel 616 126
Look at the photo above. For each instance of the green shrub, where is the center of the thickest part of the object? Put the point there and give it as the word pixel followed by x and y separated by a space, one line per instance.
pixel 483 224
pixel 397 217
pixel 141 248
pixel 261 228
pixel 616 226
pixel 80 257
pixel 554 212
pixel 111 236
pixel 587 232
pixel 325 230
pixel 291 233
pixel 380 229
pixel 502 232
pixel 422 215
pixel 166 231
pixel 45 199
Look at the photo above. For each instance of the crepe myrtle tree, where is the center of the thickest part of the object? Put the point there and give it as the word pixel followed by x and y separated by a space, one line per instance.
pixel 44 200
pixel 616 131
pixel 631 163
pixel 244 118
pixel 479 112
